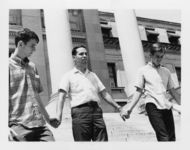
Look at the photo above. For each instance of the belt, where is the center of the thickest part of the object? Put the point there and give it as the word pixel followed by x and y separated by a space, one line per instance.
pixel 88 104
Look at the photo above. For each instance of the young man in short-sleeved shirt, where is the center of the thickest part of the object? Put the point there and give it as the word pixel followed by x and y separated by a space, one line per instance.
pixel 154 81
pixel 83 88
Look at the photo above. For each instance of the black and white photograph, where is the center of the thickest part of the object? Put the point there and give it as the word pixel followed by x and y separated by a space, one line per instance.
pixel 85 75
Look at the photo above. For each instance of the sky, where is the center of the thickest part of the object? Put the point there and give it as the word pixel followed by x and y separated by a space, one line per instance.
pixel 173 15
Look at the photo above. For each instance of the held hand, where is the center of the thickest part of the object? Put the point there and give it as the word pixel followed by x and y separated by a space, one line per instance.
pixel 54 122
pixel 125 113
pixel 122 116
pixel 121 113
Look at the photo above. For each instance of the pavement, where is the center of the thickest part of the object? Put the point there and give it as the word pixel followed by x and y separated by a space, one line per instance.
pixel 136 128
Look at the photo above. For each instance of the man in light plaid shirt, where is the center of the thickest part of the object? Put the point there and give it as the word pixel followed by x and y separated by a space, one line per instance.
pixel 27 115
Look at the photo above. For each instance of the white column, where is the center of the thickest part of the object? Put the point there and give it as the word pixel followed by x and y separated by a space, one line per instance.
pixel 130 44
pixel 59 44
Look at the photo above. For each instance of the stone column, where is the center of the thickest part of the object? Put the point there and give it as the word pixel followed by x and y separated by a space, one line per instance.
pixel 59 44
pixel 131 46
pixel 96 50
pixel 31 18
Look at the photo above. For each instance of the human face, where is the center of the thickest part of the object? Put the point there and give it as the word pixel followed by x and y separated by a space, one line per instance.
pixel 29 48
pixel 81 58
pixel 157 58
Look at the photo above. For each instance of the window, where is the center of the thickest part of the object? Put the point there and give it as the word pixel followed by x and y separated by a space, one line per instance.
pixel 173 37
pixel 75 12
pixel 112 74
pixel 152 35
pixel 74 26
pixel 122 103
pixel 106 29
pixel 76 20
pixel 178 72
pixel 106 32
pixel 15 17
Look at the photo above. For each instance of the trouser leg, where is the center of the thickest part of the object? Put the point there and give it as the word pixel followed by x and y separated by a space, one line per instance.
pixel 43 134
pixel 157 121
pixel 32 134
pixel 170 125
pixel 82 124
pixel 99 127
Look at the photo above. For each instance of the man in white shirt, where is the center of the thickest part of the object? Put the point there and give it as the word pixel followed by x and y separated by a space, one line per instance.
pixel 154 81
pixel 84 88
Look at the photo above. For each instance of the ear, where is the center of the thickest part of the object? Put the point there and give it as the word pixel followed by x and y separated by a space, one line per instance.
pixel 73 56
pixel 20 44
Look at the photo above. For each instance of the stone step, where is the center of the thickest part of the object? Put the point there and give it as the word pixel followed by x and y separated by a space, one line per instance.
pixel 136 128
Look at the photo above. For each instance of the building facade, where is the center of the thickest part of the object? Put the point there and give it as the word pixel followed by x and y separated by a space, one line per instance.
pixel 98 31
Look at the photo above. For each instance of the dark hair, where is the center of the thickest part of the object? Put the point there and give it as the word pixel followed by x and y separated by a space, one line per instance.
pixel 25 35
pixel 74 50
pixel 156 47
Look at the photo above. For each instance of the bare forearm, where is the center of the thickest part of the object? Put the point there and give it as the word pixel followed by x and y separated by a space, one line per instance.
pixel 110 100
pixel 135 100
pixel 60 105
pixel 176 96
pixel 42 109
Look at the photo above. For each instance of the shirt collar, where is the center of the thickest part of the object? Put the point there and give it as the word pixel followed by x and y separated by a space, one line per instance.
pixel 152 65
pixel 18 60
pixel 75 70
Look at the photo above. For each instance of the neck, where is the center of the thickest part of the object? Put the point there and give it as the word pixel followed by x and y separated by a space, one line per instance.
pixel 17 53
pixel 81 68
pixel 156 66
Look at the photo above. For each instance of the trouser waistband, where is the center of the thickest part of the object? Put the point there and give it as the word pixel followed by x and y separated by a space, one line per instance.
pixel 88 104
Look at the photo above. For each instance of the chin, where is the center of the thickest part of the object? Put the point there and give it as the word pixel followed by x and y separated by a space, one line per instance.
pixel 84 63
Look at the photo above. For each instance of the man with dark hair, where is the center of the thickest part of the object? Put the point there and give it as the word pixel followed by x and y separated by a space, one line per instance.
pixel 84 89
pixel 154 81
pixel 27 114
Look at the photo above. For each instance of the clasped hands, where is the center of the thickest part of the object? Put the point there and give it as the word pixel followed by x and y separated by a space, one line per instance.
pixel 125 112
pixel 54 122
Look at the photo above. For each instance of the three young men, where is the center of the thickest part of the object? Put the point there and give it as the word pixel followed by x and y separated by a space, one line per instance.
pixel 27 115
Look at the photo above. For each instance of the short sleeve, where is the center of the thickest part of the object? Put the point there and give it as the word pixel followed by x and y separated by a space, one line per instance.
pixel 64 84
pixel 139 82
pixel 101 87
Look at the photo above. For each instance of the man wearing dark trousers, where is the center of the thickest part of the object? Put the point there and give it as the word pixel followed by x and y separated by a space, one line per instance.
pixel 154 81
pixel 84 88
